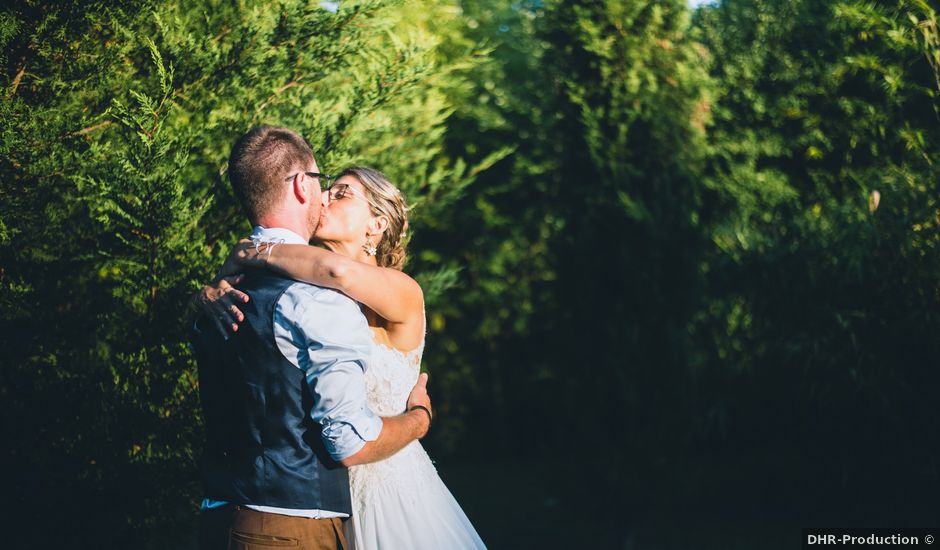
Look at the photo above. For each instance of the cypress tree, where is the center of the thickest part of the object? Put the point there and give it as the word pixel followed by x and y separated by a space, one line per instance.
pixel 822 285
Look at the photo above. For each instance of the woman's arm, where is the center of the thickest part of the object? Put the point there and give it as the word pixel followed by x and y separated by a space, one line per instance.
pixel 391 294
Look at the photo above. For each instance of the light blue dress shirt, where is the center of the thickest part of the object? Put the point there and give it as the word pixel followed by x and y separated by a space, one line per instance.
pixel 323 333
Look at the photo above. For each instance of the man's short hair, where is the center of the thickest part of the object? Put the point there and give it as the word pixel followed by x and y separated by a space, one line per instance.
pixel 260 162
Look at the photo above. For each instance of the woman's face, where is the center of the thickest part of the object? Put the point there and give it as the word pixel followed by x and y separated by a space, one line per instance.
pixel 346 213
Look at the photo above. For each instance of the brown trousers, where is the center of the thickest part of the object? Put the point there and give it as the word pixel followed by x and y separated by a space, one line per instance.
pixel 240 528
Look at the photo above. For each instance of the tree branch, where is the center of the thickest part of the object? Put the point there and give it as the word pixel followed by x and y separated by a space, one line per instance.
pixel 282 89
pixel 17 79
pixel 92 128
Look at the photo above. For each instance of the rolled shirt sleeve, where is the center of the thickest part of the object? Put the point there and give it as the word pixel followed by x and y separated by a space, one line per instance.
pixel 324 334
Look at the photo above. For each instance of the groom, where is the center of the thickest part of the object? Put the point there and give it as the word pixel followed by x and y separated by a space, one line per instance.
pixel 284 399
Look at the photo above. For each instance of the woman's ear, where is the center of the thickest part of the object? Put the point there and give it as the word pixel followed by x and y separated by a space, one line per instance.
pixel 378 225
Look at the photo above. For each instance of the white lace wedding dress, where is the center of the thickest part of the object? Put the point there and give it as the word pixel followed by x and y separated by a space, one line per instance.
pixel 400 503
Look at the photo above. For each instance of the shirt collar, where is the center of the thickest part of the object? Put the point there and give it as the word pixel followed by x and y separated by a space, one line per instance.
pixel 281 234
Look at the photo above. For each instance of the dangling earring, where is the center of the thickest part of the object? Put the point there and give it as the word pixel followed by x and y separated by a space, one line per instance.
pixel 369 247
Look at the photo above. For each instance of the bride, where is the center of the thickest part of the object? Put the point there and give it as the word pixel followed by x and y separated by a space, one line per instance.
pixel 399 502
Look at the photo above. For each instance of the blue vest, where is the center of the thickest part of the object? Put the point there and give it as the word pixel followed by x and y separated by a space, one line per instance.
pixel 262 447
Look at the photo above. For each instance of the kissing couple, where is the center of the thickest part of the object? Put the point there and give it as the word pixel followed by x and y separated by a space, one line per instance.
pixel 309 368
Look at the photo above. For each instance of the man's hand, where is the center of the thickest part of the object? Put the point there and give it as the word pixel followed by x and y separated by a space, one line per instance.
pixel 219 302
pixel 419 397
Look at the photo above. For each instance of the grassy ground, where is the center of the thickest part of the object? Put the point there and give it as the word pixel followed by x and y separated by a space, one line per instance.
pixel 523 506
pixel 760 499
pixel 745 499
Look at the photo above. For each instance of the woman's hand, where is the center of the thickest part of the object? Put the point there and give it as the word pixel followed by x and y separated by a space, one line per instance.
pixel 219 303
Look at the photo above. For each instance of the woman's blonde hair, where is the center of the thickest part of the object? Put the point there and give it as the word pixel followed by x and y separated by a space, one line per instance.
pixel 384 200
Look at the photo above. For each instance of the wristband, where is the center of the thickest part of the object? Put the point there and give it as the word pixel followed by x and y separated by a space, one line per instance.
pixel 423 408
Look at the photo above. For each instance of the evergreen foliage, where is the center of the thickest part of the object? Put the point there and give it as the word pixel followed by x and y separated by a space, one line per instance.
pixel 693 253
pixel 822 157
pixel 690 260
pixel 117 120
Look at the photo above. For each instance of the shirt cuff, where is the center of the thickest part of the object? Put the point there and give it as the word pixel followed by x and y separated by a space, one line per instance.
pixel 343 439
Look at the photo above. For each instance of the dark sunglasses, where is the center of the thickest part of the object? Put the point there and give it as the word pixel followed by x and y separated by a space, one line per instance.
pixel 325 179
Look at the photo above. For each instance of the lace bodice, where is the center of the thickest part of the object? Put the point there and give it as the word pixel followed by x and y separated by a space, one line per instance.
pixel 389 378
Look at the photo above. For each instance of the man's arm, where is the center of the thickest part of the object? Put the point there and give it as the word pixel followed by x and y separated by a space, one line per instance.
pixel 398 431
pixel 325 334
